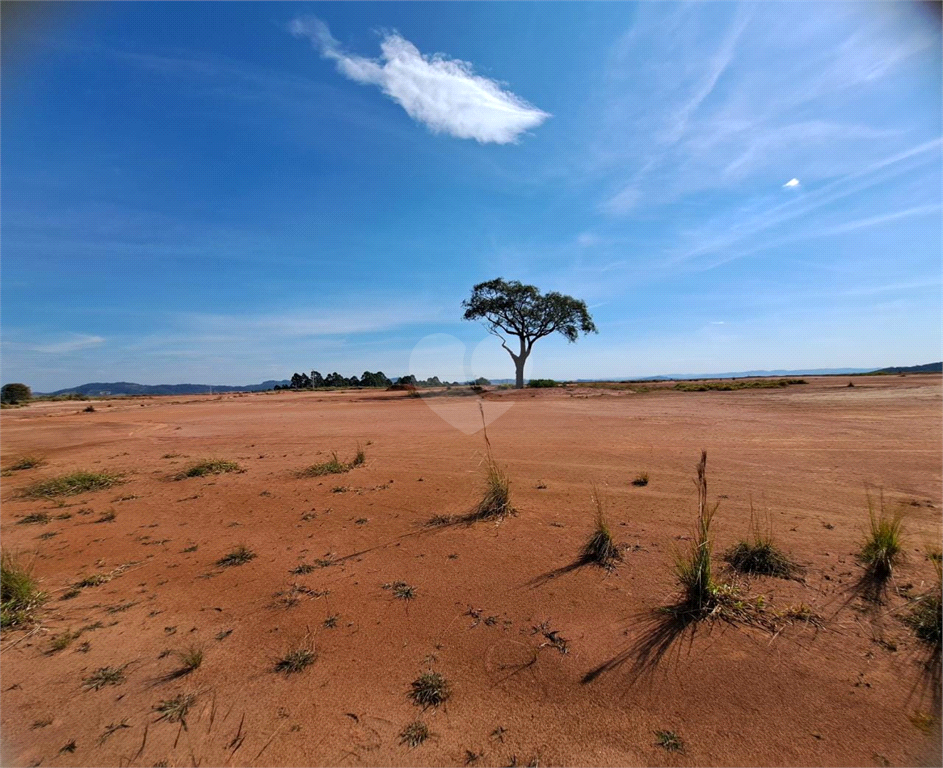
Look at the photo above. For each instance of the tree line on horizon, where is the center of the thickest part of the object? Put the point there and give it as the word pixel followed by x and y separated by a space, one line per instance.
pixel 377 380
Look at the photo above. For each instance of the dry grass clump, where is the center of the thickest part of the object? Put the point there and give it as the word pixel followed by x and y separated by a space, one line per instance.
pixel 430 689
pixel 208 467
pixel 34 518
pixel 297 659
pixel 759 554
pixel 641 480
pixel 25 462
pixel 190 659
pixel 239 556
pixel 72 484
pixel 335 466
pixel 175 710
pixel 20 596
pixel 414 734
pixel 882 548
pixel 495 503
pixel 601 547
pixel 102 677
pixel 925 617
pixel 670 741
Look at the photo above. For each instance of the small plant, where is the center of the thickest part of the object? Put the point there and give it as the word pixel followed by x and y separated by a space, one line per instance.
pixel 26 462
pixel 208 467
pixel 296 659
pixel 641 480
pixel 759 554
pixel 401 590
pixel 670 741
pixel 301 569
pixel 359 458
pixel 601 548
pixel 95 580
pixel 694 569
pixel 107 517
pixel 89 409
pixel 70 747
pixel 331 621
pixel 35 518
pixel 430 689
pixel 190 659
pixel 414 734
pixel 335 466
pixel 925 617
pixel 62 641
pixel 102 677
pixel 20 596
pixel 882 548
pixel 239 556
pixel 175 710
pixel 72 484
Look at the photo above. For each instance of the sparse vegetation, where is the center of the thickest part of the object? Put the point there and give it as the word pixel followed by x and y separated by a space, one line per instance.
pixel 882 548
pixel 21 596
pixel 175 710
pixel 89 409
pixel 670 741
pixel 107 517
pixel 239 556
pixel 641 480
pixel 335 466
pixel 542 384
pixel 727 386
pixel 401 590
pixel 62 641
pixel 296 659
pixel 208 467
pixel 190 659
pixel 102 677
pixel 924 617
pixel 414 734
pixel 495 503
pixel 759 554
pixel 601 548
pixel 430 689
pixel 26 462
pixel 72 484
pixel 302 568
pixel 34 518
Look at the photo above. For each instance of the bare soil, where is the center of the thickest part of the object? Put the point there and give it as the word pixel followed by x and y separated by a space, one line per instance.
pixel 548 662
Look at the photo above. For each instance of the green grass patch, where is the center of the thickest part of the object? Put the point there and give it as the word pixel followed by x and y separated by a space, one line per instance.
pixel 208 467
pixel 72 484
pixel 729 386
pixel 20 596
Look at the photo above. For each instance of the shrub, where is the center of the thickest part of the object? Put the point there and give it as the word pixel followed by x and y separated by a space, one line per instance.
pixel 72 484
pixel 430 689
pixel 20 596
pixel 882 548
pixel 641 480
pixel 542 383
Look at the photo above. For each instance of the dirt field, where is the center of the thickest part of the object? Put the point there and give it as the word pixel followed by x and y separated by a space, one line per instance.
pixel 488 612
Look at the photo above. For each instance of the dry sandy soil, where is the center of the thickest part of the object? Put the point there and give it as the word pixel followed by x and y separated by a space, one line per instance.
pixel 494 606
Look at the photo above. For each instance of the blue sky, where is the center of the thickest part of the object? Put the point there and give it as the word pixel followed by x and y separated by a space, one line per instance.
pixel 227 193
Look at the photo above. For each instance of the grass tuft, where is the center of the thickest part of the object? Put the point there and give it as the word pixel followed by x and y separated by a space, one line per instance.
pixel 641 480
pixel 296 659
pixel 670 741
pixel 430 689
pixel 925 617
pixel 72 484
pixel 208 467
pixel 190 659
pixel 414 734
pixel 102 677
pixel 335 466
pixel 882 548
pixel 20 596
pixel 26 462
pixel 175 710
pixel 239 556
pixel 601 548
pixel 35 518
pixel 759 554
pixel 693 568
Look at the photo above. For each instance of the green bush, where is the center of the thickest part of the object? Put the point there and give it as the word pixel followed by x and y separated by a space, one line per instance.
pixel 15 393
pixel 542 383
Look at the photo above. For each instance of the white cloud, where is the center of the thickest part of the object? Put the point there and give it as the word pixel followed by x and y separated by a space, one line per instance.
pixel 444 94
pixel 79 341
pixel 791 183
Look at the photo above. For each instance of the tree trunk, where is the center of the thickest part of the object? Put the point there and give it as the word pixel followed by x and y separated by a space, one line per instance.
pixel 519 365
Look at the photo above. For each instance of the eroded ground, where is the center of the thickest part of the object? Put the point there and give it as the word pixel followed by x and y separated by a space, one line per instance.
pixel 546 666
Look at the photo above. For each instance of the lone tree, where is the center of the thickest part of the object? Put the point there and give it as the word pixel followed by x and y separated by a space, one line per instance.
pixel 515 309
pixel 15 393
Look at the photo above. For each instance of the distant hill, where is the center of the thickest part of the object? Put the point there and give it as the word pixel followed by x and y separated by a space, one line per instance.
pixel 925 368
pixel 130 388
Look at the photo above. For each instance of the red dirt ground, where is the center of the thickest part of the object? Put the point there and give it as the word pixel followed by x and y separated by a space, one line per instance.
pixel 855 691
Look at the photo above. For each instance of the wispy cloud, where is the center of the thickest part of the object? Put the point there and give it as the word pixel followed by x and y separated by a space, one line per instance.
pixel 441 93
pixel 74 342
